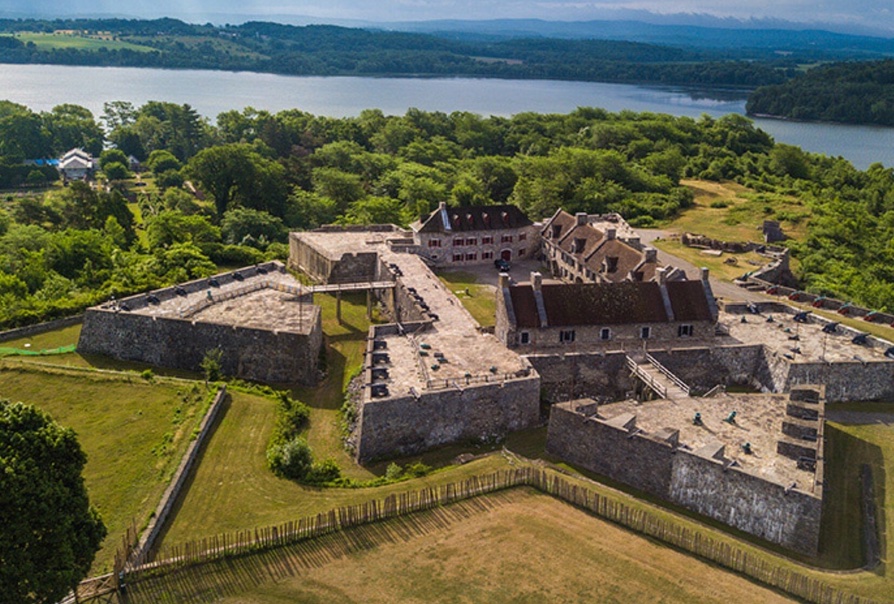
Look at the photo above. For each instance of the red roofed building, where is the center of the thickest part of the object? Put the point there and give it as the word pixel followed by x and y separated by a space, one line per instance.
pixel 539 315
pixel 609 251
pixel 452 236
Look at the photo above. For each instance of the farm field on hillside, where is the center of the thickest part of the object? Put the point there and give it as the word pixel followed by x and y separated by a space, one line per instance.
pixel 513 546
pixel 47 41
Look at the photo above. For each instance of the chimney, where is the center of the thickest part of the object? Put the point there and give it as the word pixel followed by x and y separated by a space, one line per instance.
pixel 704 273
pixel 651 254
pixel 581 218
pixel 662 275
pixel 536 281
pixel 611 233
pixel 504 281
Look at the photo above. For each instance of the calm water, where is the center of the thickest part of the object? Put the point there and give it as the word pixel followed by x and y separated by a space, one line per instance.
pixel 41 87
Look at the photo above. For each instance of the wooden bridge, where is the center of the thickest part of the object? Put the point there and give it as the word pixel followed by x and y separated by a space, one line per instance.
pixel 368 286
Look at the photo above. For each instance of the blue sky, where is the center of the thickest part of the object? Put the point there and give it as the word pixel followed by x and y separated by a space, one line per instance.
pixel 843 14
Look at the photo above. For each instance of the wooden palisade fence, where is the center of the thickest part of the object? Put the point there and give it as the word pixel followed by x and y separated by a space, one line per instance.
pixel 728 555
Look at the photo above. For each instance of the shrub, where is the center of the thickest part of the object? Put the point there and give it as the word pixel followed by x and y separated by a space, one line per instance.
pixel 291 459
pixel 323 473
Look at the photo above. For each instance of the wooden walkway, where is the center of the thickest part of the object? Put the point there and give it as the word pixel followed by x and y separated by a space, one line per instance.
pixel 350 287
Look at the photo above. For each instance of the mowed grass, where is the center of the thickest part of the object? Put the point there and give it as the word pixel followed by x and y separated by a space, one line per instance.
pixel 732 212
pixel 513 546
pixel 48 41
pixel 133 432
pixel 477 298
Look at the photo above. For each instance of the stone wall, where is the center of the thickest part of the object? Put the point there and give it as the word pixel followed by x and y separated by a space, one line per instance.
pixel 407 425
pixel 32 330
pixel 708 486
pixel 702 368
pixel 641 462
pixel 789 517
pixel 249 353
pixel 603 376
pixel 851 381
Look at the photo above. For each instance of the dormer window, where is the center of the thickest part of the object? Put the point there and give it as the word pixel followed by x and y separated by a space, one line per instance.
pixel 579 243
pixel 557 230
pixel 611 264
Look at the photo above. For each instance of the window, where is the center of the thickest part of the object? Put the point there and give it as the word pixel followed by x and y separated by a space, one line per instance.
pixel 684 331
pixel 487 240
pixel 487 255
pixel 506 239
pixel 605 334
pixel 524 337
pixel 611 264
pixel 645 333
pixel 557 230
pixel 434 243
pixel 457 257
pixel 472 256
pixel 566 335
pixel 471 242
pixel 522 236
pixel 521 252
pixel 458 242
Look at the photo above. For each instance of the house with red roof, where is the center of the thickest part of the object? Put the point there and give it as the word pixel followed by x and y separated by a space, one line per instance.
pixel 586 316
pixel 456 236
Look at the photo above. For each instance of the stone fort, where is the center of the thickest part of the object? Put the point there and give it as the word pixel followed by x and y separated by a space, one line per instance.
pixel 648 380
pixel 715 407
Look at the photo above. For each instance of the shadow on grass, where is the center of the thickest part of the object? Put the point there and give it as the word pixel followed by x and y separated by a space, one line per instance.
pixel 190 478
pixel 212 581
pixel 841 537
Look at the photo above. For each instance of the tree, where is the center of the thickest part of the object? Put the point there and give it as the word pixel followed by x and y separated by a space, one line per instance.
pixel 237 175
pixel 244 224
pixel 116 171
pixel 51 533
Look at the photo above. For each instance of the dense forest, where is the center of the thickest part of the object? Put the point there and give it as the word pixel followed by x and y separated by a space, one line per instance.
pixel 226 193
pixel 856 93
pixel 330 50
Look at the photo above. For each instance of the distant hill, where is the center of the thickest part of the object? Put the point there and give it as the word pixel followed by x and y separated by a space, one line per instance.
pixel 737 36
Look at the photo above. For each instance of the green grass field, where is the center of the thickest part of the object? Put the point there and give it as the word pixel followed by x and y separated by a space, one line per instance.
pixel 513 546
pixel 47 41
pixel 134 433
pixel 731 212
pixel 477 298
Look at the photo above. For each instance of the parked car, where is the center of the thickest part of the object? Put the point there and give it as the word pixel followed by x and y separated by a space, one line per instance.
pixel 502 265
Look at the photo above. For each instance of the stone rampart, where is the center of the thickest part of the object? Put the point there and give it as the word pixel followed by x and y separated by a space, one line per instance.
pixel 613 451
pixel 253 353
pixel 778 513
pixel 410 424
pixel 250 353
pixel 707 485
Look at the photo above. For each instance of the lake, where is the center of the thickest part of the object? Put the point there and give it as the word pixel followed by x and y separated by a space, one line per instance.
pixel 41 87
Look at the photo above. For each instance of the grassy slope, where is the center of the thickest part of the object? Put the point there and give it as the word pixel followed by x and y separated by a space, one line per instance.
pixel 515 546
pixel 119 422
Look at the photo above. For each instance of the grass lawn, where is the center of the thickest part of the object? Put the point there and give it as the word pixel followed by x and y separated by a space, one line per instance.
pixel 47 41
pixel 514 546
pixel 134 433
pixel 731 212
pixel 717 264
pixel 479 299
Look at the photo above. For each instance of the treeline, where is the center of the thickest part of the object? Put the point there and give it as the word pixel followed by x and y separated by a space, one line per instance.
pixel 227 193
pixel 853 93
pixel 330 50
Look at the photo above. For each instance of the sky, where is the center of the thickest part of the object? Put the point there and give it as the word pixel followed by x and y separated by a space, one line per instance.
pixel 870 15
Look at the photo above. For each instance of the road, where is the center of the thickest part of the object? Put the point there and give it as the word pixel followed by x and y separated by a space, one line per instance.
pixel 721 289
